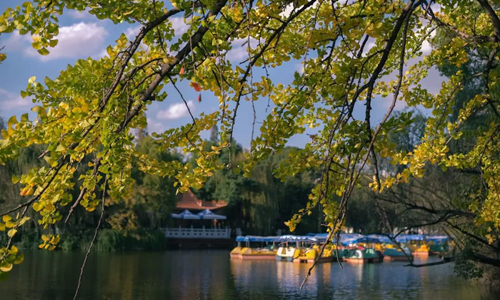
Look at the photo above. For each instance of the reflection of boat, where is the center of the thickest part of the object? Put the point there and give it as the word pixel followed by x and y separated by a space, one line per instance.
pixel 393 254
pixel 359 256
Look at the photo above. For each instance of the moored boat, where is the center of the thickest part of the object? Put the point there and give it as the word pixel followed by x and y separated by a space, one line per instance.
pixel 249 253
pixel 235 253
pixel 287 253
pixel 263 247
pixel 422 251
pixel 393 254
pixel 360 256
pixel 293 246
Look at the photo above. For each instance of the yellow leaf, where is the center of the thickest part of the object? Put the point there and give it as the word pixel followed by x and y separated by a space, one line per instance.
pixel 12 232
pixel 6 267
pixel 37 206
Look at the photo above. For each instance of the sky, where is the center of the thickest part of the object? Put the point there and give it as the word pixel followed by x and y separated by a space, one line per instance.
pixel 82 35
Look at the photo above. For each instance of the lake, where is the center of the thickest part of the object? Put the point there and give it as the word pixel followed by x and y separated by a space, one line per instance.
pixel 213 275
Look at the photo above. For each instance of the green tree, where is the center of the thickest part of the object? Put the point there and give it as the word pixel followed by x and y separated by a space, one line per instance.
pixel 94 105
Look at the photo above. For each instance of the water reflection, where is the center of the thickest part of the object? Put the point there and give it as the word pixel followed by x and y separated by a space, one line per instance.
pixel 212 275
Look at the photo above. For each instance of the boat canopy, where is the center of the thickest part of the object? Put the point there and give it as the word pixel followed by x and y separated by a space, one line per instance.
pixel 320 237
pixel 186 215
pixel 346 239
pixel 382 238
pixel 409 237
pixel 207 214
pixel 297 238
pixel 437 238
pixel 254 238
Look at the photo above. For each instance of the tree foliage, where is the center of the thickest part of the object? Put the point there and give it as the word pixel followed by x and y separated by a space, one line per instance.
pixel 90 111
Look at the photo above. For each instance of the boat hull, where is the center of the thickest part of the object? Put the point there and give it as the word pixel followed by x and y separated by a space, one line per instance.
pixel 395 258
pixel 357 260
pixel 257 256
pixel 421 253
pixel 311 260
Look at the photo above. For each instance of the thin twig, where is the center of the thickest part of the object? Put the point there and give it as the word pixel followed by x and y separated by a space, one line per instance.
pixel 93 240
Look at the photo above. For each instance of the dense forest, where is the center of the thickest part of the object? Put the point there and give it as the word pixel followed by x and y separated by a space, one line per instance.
pixel 258 204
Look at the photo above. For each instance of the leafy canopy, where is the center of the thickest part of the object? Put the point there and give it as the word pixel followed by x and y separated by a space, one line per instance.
pixel 354 54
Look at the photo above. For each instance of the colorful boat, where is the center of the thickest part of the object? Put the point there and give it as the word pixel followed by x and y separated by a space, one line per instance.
pixel 293 246
pixel 235 253
pixel 393 254
pixel 361 256
pixel 263 248
pixel 263 254
pixel 288 253
pixel 422 251
pixel 438 244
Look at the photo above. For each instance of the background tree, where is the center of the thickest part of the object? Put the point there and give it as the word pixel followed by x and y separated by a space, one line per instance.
pixel 92 108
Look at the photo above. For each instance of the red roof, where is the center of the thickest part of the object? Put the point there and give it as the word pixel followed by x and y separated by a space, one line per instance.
pixel 189 201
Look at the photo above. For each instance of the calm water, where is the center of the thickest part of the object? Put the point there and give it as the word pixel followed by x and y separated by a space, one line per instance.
pixel 212 275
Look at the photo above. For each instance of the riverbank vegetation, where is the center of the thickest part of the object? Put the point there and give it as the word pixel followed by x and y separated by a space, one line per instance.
pixel 404 170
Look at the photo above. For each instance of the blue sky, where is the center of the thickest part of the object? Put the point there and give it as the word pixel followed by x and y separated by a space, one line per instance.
pixel 83 35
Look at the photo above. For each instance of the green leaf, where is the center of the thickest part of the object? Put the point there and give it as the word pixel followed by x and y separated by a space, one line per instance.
pixel 53 43
pixel 12 121
pixel 37 109
pixel 43 51
pixel 15 179
pixel 19 259
pixel 24 118
pixel 36 45
pixel 32 79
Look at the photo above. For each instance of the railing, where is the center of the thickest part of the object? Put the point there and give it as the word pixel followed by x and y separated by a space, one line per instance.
pixel 198 233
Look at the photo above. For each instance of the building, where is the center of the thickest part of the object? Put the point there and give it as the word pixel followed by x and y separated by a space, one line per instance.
pixel 189 201
pixel 196 225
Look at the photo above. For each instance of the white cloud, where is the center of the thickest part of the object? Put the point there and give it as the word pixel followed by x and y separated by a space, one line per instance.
pixel 299 67
pixel 10 101
pixel 426 48
pixel 239 50
pixel 16 42
pixel 155 126
pixel 288 10
pixel 75 41
pixel 175 111
pixel 180 27
pixel 436 7
pixel 79 15
pixel 132 32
